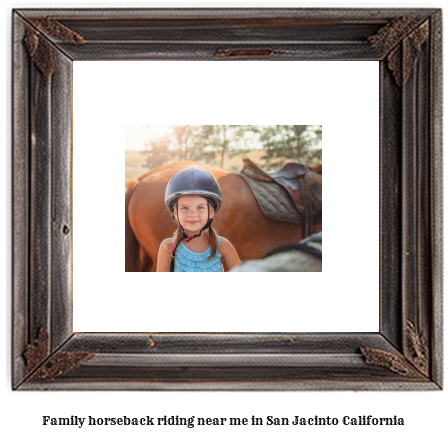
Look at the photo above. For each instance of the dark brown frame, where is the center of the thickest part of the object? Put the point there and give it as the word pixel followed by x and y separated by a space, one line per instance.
pixel 406 354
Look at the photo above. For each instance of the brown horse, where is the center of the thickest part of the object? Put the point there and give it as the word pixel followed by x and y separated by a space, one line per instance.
pixel 240 219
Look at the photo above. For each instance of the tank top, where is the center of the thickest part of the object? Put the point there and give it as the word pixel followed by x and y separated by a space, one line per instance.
pixel 189 261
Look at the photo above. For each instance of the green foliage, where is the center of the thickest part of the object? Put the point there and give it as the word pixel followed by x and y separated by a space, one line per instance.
pixel 211 143
pixel 290 142
pixel 206 143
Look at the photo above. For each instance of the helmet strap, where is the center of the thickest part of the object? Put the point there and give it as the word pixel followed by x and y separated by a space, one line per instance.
pixel 207 225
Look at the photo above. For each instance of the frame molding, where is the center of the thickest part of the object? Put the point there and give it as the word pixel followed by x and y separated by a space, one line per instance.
pixel 407 352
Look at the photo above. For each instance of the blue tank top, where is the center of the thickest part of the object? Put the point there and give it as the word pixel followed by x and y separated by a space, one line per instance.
pixel 189 261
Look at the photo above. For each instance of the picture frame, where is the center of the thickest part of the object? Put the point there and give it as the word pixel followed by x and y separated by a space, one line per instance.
pixel 406 353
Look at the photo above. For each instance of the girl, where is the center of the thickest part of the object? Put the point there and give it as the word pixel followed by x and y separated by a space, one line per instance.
pixel 193 197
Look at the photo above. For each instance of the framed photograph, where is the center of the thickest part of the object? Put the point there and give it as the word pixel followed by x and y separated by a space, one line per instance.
pixel 249 334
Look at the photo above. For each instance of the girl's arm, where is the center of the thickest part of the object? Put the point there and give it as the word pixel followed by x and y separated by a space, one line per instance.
pixel 163 258
pixel 229 253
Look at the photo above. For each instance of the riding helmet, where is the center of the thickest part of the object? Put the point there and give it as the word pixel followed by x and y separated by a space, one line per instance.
pixel 193 182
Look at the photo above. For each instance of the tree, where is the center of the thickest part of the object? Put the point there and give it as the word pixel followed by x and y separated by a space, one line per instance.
pixel 212 143
pixel 182 135
pixel 291 142
pixel 157 150
pixel 167 144
pixel 189 143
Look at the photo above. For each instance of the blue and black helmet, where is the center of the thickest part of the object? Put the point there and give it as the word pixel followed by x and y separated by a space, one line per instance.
pixel 193 182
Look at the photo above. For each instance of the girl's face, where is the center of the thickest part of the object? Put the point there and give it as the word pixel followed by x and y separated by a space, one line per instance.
pixel 193 212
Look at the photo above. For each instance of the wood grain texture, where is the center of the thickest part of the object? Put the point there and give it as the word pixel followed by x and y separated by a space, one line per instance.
pixel 436 196
pixel 61 201
pixel 390 207
pixel 20 201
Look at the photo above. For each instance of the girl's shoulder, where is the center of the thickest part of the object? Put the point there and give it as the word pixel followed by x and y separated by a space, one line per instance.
pixel 167 243
pixel 224 243
pixel 227 250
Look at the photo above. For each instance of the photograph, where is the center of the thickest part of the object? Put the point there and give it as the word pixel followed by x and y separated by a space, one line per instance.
pixel 196 202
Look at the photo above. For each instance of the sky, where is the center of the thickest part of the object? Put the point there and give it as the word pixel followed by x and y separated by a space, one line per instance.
pixel 137 136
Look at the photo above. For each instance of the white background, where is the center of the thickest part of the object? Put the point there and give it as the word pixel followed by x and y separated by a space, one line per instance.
pixel 424 413
pixel 345 103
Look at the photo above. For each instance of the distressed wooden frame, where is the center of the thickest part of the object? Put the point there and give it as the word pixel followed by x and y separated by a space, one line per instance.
pixel 406 354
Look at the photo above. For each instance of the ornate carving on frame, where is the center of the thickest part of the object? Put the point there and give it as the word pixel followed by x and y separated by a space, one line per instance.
pixel 54 366
pixel 402 56
pixel 394 361
pixel 37 351
pixel 40 49
pixel 413 364
pixel 416 349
